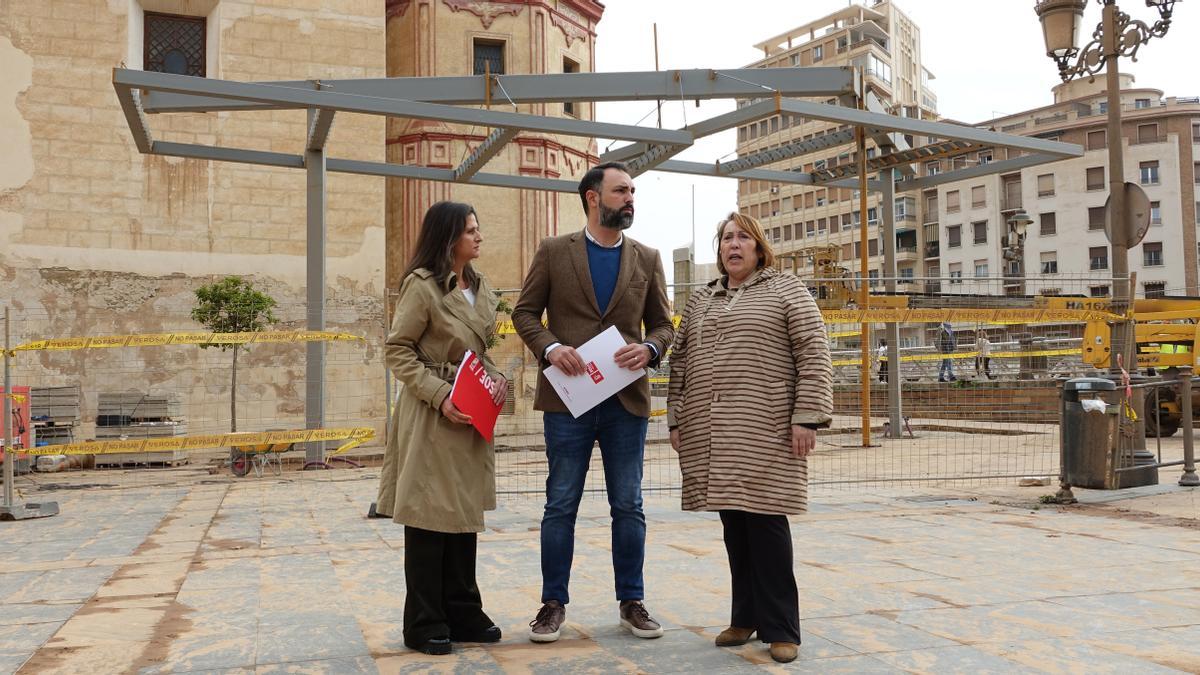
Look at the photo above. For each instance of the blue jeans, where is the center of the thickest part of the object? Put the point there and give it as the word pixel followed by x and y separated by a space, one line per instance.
pixel 569 442
pixel 946 370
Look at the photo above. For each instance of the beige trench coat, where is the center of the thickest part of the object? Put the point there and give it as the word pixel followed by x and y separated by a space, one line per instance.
pixel 437 475
pixel 745 367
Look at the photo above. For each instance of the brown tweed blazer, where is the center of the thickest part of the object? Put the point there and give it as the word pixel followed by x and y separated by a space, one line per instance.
pixel 559 283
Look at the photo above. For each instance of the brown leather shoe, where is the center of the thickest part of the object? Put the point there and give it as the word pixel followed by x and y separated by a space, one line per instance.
pixel 734 636
pixel 635 617
pixel 547 626
pixel 784 652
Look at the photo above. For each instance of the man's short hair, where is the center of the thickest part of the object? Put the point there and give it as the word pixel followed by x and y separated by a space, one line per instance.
pixel 594 178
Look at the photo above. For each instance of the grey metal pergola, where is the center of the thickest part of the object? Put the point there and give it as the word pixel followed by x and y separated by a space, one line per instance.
pixel 450 99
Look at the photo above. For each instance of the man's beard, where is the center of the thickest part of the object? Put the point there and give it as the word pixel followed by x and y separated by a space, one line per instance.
pixel 613 219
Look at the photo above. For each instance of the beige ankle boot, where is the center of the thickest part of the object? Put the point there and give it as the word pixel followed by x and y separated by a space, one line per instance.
pixel 734 636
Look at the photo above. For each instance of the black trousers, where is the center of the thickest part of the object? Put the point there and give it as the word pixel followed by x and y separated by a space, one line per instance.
pixel 442 598
pixel 765 596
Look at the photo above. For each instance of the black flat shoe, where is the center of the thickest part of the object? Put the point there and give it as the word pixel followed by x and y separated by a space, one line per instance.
pixel 435 646
pixel 489 634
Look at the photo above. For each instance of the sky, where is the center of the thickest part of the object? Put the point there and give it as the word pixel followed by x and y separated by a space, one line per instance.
pixel 988 58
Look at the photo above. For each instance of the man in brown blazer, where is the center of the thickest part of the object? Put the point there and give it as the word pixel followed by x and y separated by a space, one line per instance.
pixel 585 282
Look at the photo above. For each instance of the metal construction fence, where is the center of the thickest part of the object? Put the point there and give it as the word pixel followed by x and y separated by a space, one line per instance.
pixel 143 393
pixel 128 396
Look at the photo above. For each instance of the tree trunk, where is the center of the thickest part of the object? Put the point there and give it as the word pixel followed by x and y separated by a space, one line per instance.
pixel 233 394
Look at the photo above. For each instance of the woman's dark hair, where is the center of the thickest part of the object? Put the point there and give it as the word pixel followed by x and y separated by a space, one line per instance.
pixel 441 229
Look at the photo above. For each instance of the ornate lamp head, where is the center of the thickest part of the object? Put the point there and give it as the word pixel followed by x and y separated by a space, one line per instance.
pixel 1060 25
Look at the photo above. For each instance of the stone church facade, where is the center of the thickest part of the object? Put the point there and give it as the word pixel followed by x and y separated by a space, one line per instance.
pixel 96 238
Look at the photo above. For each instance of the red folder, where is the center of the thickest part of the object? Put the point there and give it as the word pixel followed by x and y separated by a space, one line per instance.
pixel 472 394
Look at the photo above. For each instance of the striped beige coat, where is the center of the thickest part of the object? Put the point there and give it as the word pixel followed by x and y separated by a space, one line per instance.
pixel 745 367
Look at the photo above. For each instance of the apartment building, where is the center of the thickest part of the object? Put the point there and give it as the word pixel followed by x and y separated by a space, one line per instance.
pixel 964 230
pixel 885 44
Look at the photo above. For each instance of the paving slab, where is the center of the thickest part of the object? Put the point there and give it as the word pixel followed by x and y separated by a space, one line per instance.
pixel 286 575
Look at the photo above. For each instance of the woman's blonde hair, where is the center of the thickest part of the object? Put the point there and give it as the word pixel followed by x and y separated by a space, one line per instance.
pixel 766 257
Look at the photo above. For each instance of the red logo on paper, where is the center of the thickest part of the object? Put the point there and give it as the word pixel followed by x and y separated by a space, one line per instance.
pixel 592 370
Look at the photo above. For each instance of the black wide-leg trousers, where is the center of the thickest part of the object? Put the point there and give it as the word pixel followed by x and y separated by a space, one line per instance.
pixel 765 596
pixel 442 598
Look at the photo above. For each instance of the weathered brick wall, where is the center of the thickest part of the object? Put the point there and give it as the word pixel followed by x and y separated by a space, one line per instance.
pixel 97 238
pixel 1034 402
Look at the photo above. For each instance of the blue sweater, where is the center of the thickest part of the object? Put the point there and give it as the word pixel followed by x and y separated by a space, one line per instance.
pixel 604 263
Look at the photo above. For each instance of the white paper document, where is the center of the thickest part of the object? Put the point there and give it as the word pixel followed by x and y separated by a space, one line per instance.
pixel 603 378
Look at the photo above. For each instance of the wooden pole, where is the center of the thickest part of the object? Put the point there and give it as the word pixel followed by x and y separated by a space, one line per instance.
pixel 864 291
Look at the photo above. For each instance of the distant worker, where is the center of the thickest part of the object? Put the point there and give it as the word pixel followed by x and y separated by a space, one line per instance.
pixel 881 357
pixel 983 356
pixel 946 344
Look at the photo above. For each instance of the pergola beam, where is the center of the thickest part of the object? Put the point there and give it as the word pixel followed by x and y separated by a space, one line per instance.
pixel 447 175
pixel 135 117
pixel 1004 166
pixel 369 105
pixel 483 153
pixel 772 175
pixel 788 151
pixel 631 153
pixel 318 130
pixel 877 122
pixel 692 85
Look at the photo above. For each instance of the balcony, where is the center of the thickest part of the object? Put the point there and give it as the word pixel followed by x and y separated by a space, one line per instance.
pixel 1011 203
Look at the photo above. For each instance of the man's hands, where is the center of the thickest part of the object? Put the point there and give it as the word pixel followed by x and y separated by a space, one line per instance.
pixel 567 360
pixel 803 440
pixel 632 357
pixel 499 390
pixel 675 439
pixel 453 414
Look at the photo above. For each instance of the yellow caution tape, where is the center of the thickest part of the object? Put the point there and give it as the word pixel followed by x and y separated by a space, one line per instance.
pixel 185 338
pixel 19 398
pixel 966 355
pixel 962 315
pixel 356 436
pixel 931 315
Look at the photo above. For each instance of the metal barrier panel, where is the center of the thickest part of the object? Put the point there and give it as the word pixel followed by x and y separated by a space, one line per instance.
pixel 130 395
pixel 995 420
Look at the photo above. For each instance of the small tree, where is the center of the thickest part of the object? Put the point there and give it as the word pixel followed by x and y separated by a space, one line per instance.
pixel 502 308
pixel 232 305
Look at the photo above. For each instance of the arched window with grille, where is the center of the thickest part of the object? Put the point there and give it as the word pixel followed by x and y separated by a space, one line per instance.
pixel 174 44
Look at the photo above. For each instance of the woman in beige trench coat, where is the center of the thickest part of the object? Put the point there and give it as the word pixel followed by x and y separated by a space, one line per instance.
pixel 751 381
pixel 439 474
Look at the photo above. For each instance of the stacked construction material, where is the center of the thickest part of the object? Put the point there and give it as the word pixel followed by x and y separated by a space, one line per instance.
pixel 54 412
pixel 132 415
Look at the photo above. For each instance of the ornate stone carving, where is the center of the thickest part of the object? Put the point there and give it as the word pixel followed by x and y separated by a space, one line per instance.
pixel 486 11
pixel 571 30
pixel 396 8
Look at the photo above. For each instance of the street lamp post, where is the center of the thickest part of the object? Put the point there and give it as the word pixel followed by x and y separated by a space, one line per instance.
pixel 1117 35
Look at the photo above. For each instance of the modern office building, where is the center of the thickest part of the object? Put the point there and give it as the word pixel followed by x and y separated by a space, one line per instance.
pixel 964 223
pixel 885 44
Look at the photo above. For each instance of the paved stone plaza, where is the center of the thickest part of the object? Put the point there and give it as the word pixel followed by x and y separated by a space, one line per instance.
pixel 286 575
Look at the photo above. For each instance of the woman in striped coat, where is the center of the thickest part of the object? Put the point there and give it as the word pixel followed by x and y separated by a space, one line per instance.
pixel 751 381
